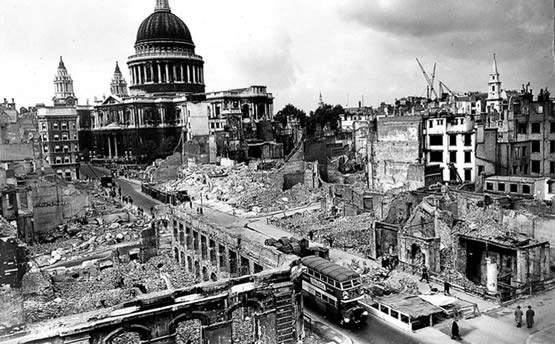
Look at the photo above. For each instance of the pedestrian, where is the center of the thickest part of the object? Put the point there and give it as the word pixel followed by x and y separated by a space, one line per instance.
pixel 530 317
pixel 455 334
pixel 385 262
pixel 518 316
pixel 446 287
pixel 119 191
pixel 425 275
pixel 311 234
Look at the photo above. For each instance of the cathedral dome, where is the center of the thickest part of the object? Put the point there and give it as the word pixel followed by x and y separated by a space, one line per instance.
pixel 162 25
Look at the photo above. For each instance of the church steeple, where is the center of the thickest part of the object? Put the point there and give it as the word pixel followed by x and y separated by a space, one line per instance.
pixel 63 87
pixel 494 88
pixel 118 86
pixel 162 5
pixel 494 69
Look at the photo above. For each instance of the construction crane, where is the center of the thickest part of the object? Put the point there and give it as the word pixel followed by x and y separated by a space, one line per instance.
pixel 442 87
pixel 429 80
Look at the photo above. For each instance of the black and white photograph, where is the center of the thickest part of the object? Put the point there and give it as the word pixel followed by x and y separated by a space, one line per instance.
pixel 277 172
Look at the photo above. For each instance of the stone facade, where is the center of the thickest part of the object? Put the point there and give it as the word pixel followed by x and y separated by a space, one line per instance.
pixel 395 156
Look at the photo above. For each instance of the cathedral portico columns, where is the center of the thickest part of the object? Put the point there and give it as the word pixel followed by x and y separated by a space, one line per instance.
pixel 182 75
pixel 109 147
pixel 167 73
pixel 116 145
pixel 159 72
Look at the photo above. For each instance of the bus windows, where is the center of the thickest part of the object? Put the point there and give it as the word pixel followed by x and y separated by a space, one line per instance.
pixel 317 275
pixel 346 285
pixel 356 282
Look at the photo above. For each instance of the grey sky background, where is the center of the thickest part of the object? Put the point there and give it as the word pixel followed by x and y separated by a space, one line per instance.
pixel 344 48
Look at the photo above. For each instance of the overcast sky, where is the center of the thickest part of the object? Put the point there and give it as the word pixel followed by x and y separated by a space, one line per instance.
pixel 346 49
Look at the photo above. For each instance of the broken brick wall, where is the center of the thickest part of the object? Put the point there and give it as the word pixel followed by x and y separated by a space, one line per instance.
pixel 53 204
pixel 394 157
pixel 167 169
pixel 13 262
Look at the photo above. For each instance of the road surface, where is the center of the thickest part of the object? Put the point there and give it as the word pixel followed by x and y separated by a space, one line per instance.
pixel 374 332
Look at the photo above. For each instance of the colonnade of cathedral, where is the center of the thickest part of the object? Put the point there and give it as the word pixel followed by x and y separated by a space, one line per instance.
pixel 166 72
pixel 63 86
pixel 132 116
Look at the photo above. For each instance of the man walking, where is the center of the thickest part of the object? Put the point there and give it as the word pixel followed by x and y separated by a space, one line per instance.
pixel 518 316
pixel 530 317
pixel 446 287
pixel 425 275
pixel 455 334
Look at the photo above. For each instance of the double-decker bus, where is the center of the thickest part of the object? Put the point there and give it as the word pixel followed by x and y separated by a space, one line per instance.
pixel 333 290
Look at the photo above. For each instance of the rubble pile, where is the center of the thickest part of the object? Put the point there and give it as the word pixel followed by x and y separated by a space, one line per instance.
pixel 378 281
pixel 127 338
pixel 241 187
pixel 11 316
pixel 242 326
pixel 351 234
pixel 104 224
pixel 189 332
pixel 65 295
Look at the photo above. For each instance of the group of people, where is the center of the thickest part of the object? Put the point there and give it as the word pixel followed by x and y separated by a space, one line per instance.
pixel 529 317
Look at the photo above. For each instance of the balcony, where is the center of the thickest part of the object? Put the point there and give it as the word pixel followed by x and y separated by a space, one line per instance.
pixel 163 54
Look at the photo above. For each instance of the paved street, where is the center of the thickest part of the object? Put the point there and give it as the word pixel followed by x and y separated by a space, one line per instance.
pixel 139 199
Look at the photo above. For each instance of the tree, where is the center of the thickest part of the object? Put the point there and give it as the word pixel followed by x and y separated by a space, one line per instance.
pixel 290 111
pixel 325 114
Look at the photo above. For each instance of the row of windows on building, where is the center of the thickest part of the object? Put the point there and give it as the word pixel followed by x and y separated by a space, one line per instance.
pixel 437 156
pixel 454 121
pixel 58 125
pixel 520 152
pixel 56 137
pixel 513 188
pixel 535 128
pixel 64 174
pixel 437 140
pixel 535 167
pixel 216 125
pixel 58 160
pixel 60 149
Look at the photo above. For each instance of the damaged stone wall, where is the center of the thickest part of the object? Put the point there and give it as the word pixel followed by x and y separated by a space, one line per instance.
pixel 270 300
pixel 53 204
pixel 395 153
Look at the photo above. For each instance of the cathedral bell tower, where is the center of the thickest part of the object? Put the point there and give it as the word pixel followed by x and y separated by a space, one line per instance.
pixel 63 87
pixel 118 86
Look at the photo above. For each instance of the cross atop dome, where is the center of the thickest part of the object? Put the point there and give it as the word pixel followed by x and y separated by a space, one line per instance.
pixel 162 5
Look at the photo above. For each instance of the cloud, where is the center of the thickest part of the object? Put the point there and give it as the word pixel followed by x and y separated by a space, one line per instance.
pixel 462 29
pixel 271 65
